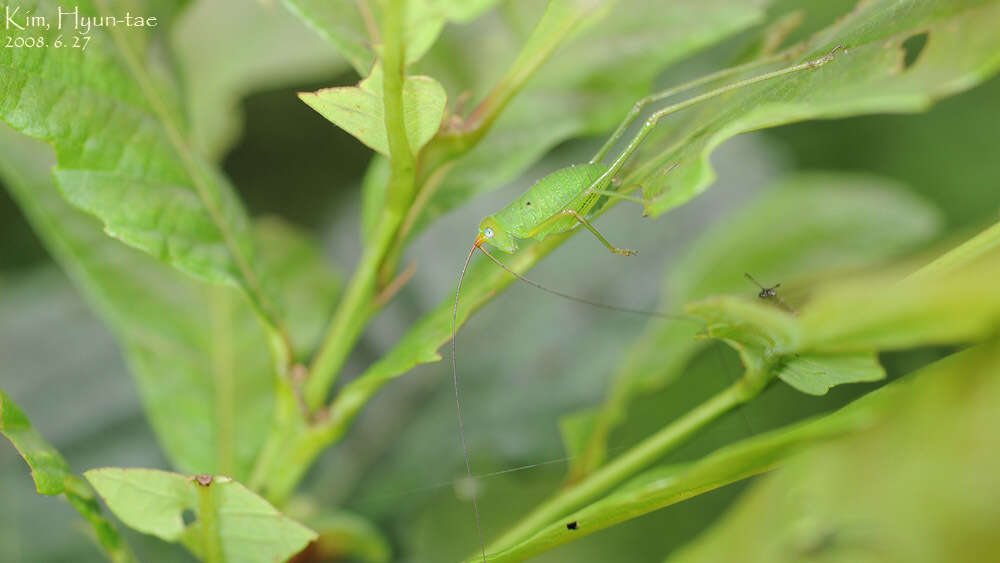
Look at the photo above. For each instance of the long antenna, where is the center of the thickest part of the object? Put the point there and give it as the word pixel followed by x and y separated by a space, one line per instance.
pixel 597 304
pixel 458 400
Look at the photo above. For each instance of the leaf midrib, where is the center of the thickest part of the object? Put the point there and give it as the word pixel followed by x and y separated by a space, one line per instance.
pixel 190 166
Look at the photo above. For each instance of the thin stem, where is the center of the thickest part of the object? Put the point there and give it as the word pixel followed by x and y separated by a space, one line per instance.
pixel 558 22
pixel 638 458
pixel 357 305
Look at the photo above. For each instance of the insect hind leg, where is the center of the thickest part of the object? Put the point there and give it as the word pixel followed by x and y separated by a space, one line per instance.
pixel 583 221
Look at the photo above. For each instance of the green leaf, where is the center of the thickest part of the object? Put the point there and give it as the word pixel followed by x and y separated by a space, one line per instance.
pixel 668 485
pixel 360 111
pixel 199 353
pixel 305 285
pixel 153 501
pixel 129 159
pixel 585 88
pixel 52 476
pixel 343 23
pixel 867 76
pixel 884 313
pixel 815 374
pixel 340 23
pixel 919 485
pixel 48 468
pixel 220 65
pixel 808 225
pixel 758 327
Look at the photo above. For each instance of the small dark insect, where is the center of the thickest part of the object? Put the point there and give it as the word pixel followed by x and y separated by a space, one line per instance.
pixel 765 292
pixel 204 479
pixel 572 526
pixel 527 203
pixel 770 293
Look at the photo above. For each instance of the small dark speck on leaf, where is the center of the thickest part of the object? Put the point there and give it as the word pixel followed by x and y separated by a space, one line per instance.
pixel 572 526
pixel 527 203
pixel 204 479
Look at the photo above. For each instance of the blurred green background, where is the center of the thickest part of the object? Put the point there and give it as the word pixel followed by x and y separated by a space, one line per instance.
pixel 545 359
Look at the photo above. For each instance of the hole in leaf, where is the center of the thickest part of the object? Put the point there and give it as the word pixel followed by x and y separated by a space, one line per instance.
pixel 188 517
pixel 912 47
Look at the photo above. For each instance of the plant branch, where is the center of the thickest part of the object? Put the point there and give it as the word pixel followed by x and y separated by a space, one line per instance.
pixel 357 306
pixel 636 459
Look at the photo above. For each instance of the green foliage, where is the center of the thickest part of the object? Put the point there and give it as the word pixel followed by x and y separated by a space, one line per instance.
pixel 891 493
pixel 52 476
pixel 48 468
pixel 236 329
pixel 867 76
pixel 358 109
pixel 245 526
pixel 807 225
pixel 129 160
pixel 198 353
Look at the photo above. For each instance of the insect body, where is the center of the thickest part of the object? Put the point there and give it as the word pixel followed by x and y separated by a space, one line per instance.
pixel 555 204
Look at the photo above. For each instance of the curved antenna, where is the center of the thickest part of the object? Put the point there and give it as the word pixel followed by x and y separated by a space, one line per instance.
pixel 458 402
pixel 597 304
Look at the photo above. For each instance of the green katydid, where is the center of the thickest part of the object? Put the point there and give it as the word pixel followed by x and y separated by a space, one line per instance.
pixel 561 202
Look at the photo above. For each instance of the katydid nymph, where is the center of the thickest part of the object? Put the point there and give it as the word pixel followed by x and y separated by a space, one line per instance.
pixel 563 201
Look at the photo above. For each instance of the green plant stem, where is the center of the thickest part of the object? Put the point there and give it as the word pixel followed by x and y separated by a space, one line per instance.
pixel 211 544
pixel 561 19
pixel 357 305
pixel 636 459
pixel 968 251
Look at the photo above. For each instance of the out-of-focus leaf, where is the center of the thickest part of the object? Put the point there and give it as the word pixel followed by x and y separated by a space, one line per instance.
pixel 667 485
pixel 347 24
pixel 344 534
pixel 199 354
pixel 340 23
pixel 52 476
pixel 587 86
pixel 808 224
pixel 815 374
pixel 153 502
pixel 129 159
pixel 305 286
pixel 919 486
pixel 229 48
pixel 947 308
pixel 360 111
pixel 869 75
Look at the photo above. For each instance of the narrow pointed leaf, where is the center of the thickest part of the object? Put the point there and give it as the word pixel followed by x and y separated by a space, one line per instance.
pixel 52 476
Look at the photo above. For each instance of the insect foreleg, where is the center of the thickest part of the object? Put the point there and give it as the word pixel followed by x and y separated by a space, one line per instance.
pixel 653 119
pixel 664 94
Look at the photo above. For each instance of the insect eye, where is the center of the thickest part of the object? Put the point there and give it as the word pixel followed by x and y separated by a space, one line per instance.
pixel 488 232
